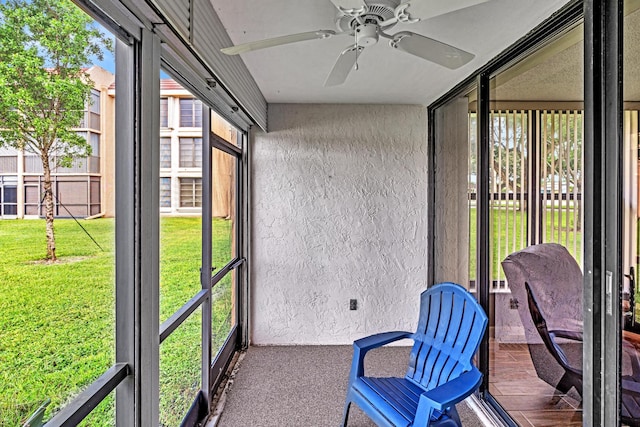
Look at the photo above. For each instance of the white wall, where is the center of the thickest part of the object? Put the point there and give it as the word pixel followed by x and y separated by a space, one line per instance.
pixel 338 212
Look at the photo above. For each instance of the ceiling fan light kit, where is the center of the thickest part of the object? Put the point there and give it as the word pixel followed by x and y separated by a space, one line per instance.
pixel 366 21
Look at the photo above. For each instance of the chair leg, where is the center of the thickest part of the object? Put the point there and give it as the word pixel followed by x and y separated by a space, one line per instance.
pixel 449 419
pixel 567 381
pixel 564 385
pixel 345 416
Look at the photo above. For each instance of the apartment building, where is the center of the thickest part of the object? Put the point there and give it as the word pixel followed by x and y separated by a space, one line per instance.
pixel 78 190
pixel 86 189
pixel 181 154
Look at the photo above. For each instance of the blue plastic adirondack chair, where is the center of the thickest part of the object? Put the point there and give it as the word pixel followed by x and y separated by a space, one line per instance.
pixel 441 372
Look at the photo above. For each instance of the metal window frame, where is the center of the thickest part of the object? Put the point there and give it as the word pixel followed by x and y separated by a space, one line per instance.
pixel 81 406
pixel 603 226
pixel 135 374
pixel 483 217
pixel 245 233
pixel 212 372
pixel 603 133
pixel 147 185
pixel 207 251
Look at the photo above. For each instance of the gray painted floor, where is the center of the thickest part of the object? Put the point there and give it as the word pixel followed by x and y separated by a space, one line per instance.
pixel 306 386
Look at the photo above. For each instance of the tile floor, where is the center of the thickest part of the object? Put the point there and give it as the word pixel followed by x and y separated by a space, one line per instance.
pixel 529 400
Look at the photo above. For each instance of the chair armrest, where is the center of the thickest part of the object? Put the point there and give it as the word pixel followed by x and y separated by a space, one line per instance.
pixel 378 340
pixel 446 395
pixel 363 345
pixel 571 335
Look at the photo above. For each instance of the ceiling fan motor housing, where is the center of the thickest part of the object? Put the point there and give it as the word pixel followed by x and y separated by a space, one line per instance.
pixel 367 34
pixel 376 11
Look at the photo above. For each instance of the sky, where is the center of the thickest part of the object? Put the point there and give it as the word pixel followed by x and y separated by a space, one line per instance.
pixel 109 60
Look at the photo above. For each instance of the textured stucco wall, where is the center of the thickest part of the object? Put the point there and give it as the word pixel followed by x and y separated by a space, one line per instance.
pixel 338 212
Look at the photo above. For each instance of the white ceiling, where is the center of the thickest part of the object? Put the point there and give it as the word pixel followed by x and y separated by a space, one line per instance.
pixel 555 72
pixel 295 73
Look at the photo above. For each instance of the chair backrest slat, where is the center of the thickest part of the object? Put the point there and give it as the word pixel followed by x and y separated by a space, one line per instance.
pixel 447 335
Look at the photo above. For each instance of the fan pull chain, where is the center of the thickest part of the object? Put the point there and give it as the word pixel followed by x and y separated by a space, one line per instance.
pixel 355 34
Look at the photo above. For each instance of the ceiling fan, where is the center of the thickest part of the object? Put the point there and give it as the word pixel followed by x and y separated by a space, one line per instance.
pixel 368 20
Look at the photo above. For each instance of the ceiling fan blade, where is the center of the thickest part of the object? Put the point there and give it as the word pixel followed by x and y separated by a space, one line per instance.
pixel 343 66
pixel 277 41
pixel 425 9
pixel 348 4
pixel 431 50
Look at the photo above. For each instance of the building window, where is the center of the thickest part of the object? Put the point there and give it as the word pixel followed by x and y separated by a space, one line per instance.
pixel 164 112
pixel 94 196
pixel 190 152
pixel 94 142
pixel 89 164
pixel 165 192
pixel 95 101
pixel 190 113
pixel 165 152
pixel 91 118
pixel 8 195
pixel 32 197
pixel 8 164
pixel 190 192
pixel 32 163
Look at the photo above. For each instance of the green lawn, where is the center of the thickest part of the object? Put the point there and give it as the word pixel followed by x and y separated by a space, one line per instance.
pixel 57 321
pixel 508 228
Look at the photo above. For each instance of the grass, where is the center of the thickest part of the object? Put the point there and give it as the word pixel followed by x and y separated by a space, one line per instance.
pixel 57 320
pixel 508 234
pixel 180 353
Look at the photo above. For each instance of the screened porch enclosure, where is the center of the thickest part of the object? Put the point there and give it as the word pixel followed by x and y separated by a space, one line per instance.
pixel 179 283
pixel 341 202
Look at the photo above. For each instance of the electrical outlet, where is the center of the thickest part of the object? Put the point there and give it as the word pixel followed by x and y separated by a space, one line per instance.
pixel 353 304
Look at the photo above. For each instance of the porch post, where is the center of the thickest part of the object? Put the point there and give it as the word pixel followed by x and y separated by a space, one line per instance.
pixel 137 228
pixel 147 250
pixel 206 269
pixel 124 229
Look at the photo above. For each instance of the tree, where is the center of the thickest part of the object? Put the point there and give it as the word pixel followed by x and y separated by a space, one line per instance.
pixel 509 154
pixel 44 89
pixel 562 139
